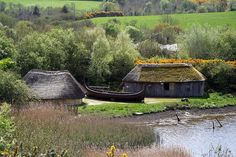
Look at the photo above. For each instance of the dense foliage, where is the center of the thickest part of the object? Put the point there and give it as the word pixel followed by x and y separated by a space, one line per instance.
pixel 6 125
pixel 12 89
pixel 206 42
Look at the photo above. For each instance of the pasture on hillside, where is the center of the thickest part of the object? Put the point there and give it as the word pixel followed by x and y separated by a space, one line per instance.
pixel 80 5
pixel 184 20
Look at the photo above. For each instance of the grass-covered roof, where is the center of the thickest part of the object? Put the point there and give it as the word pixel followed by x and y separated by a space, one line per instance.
pixel 155 73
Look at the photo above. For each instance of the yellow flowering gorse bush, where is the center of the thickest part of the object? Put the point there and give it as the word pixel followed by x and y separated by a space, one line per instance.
pixel 112 152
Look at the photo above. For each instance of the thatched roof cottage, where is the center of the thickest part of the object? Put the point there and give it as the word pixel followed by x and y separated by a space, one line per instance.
pixel 55 86
pixel 165 80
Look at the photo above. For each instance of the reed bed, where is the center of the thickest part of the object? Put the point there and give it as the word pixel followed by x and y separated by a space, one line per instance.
pixel 49 127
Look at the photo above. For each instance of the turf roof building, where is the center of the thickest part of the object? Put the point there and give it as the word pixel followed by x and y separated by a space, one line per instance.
pixel 165 80
pixel 57 87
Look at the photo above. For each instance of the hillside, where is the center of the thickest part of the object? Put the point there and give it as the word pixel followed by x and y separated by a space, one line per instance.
pixel 80 5
pixel 184 20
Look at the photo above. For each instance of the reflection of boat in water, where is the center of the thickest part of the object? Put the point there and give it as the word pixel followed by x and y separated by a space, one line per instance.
pixel 114 96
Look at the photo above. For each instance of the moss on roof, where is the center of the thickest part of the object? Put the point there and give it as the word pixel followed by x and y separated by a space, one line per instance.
pixel 154 73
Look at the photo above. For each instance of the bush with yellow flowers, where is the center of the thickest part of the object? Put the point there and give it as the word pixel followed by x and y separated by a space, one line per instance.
pixel 112 152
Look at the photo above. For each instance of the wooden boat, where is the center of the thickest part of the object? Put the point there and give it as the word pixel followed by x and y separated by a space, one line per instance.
pixel 115 96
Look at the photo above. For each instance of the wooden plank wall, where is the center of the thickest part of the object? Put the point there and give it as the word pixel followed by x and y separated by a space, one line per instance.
pixel 187 89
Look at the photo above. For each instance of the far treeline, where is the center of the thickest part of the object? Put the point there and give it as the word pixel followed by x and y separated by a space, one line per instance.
pixel 104 54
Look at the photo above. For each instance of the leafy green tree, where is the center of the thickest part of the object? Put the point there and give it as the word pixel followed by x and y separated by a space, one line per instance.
pixel 124 56
pixel 100 59
pixel 40 51
pixel 77 57
pixel 12 89
pixel 7 48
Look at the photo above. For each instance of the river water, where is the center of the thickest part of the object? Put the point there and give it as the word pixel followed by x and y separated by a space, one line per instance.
pixel 198 135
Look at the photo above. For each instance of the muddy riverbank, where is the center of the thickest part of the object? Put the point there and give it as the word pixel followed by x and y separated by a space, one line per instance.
pixel 183 115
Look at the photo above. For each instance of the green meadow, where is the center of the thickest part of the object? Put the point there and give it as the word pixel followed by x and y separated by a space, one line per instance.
pixel 184 20
pixel 80 5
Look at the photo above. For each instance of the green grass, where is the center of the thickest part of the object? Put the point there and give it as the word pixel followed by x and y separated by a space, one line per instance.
pixel 185 20
pixel 80 5
pixel 159 105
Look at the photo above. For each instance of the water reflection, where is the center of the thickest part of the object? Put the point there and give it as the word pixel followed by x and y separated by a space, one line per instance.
pixel 198 136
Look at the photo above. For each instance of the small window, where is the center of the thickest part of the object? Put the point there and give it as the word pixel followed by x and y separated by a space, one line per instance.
pixel 166 86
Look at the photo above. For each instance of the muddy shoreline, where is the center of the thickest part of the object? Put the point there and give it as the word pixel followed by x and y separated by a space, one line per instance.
pixel 182 114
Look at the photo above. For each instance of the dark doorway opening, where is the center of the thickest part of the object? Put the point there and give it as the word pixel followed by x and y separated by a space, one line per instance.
pixel 166 86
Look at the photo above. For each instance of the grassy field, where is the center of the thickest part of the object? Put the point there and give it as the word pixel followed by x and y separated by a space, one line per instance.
pixel 80 5
pixel 184 20
pixel 159 105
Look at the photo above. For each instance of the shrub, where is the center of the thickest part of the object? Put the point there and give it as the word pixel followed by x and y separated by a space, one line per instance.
pixel 112 28
pixel 6 64
pixel 12 89
pixel 188 6
pixel 23 28
pixel 7 20
pixel 149 48
pixel 202 9
pixel 167 19
pixel 135 33
pixel 109 6
pixel 220 76
pixel 206 42
pixel 165 33
pixel 90 15
pixel 7 126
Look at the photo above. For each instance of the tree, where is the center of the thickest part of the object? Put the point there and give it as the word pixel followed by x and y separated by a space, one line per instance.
pixel 36 11
pixel 40 51
pixel 77 57
pixel 7 48
pixel 12 89
pixel 148 7
pixel 124 56
pixel 65 9
pixel 100 59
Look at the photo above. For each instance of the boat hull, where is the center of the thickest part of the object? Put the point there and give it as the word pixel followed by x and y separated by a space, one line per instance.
pixel 115 96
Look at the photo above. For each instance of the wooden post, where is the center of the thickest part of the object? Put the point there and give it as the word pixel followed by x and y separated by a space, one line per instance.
pixel 219 123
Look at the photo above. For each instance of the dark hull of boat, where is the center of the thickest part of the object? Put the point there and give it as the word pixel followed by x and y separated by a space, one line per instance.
pixel 115 96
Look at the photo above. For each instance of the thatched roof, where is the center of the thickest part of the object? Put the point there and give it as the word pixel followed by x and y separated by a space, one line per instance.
pixel 155 73
pixel 49 85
